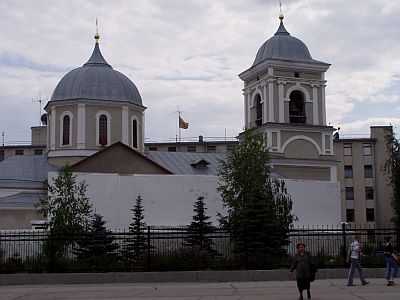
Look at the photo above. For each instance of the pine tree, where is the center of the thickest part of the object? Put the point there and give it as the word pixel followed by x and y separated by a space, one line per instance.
pixel 258 206
pixel 135 246
pixel 200 228
pixel 97 242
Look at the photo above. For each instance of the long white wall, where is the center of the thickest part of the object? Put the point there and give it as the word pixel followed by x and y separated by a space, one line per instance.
pixel 169 199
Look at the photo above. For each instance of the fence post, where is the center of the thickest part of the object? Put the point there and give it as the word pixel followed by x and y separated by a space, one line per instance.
pixel 148 248
pixel 51 251
pixel 344 243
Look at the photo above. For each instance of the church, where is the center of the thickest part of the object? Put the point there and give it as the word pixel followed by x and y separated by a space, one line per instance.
pixel 95 123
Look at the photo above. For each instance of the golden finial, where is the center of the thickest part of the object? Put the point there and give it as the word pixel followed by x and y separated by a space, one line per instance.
pixel 280 11
pixel 97 36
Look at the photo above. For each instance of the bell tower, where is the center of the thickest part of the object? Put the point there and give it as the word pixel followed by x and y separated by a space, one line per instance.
pixel 284 98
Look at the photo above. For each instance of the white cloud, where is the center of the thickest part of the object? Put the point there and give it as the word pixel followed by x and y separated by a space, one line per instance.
pixel 187 54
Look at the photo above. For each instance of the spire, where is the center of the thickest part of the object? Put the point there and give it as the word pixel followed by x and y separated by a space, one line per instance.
pixel 97 58
pixel 281 29
pixel 97 36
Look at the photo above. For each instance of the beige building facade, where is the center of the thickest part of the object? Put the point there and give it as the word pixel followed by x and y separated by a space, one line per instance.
pixel 365 191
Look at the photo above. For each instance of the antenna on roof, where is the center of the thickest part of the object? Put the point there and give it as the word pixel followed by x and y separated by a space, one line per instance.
pixel 40 100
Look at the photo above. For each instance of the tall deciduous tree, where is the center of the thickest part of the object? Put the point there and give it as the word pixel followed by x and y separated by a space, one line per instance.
pixel 135 246
pixel 258 206
pixel 392 169
pixel 67 208
pixel 200 228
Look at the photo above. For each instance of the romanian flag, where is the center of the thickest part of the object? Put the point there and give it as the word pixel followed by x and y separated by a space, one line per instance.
pixel 183 124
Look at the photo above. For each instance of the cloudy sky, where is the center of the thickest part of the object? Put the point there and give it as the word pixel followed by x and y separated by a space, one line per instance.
pixel 186 54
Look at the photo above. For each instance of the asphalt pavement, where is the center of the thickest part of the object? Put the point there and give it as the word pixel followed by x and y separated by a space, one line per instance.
pixel 327 289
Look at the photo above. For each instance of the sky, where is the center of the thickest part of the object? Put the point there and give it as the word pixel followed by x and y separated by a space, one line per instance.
pixel 185 55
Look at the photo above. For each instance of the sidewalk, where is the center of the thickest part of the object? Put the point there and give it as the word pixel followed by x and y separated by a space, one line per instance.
pixel 327 289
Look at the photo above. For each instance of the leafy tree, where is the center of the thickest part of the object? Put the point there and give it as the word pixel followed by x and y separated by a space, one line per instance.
pixel 136 246
pixel 392 169
pixel 258 206
pixel 67 208
pixel 97 242
pixel 200 228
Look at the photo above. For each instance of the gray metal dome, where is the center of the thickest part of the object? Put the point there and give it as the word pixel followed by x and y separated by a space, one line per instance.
pixel 283 46
pixel 96 80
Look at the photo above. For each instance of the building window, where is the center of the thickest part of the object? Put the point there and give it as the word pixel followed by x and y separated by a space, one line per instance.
pixel 369 193
pixel 191 149
pixel 297 107
pixel 1 155
pixel 349 215
pixel 211 149
pixel 153 148
pixel 348 171
pixel 134 134
pixel 349 193
pixel 347 150
pixel 259 110
pixel 66 129
pixel 171 149
pixel 103 130
pixel 19 152
pixel 367 149
pixel 370 214
pixel 38 151
pixel 368 171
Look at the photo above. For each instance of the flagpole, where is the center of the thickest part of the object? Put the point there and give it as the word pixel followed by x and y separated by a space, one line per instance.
pixel 179 115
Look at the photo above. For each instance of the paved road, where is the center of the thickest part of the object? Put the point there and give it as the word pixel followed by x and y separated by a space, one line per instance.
pixel 329 289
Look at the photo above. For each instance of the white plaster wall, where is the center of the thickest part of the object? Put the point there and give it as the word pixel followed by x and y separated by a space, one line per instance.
pixel 169 199
pixel 315 203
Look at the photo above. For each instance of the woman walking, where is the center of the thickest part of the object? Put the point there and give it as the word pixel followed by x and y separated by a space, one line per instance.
pixel 391 262
pixel 301 262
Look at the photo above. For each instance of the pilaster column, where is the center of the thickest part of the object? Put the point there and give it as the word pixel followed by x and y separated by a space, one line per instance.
pixel 271 117
pixel 246 95
pixel 323 105
pixel 125 125
pixel 53 128
pixel 281 95
pixel 266 103
pixel 315 104
pixel 81 129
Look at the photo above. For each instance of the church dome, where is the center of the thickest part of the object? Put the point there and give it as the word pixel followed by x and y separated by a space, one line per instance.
pixel 96 80
pixel 283 46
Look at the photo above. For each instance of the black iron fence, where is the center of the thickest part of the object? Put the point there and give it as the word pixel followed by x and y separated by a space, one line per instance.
pixel 167 248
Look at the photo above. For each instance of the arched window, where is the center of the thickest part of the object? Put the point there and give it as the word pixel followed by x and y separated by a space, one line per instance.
pixel 297 107
pixel 103 130
pixel 259 110
pixel 134 134
pixel 66 129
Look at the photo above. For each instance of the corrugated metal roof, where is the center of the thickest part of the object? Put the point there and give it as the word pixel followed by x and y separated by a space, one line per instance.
pixel 21 199
pixel 181 162
pixel 26 168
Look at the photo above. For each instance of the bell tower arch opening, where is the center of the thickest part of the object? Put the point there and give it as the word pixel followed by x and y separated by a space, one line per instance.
pixel 259 110
pixel 297 107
